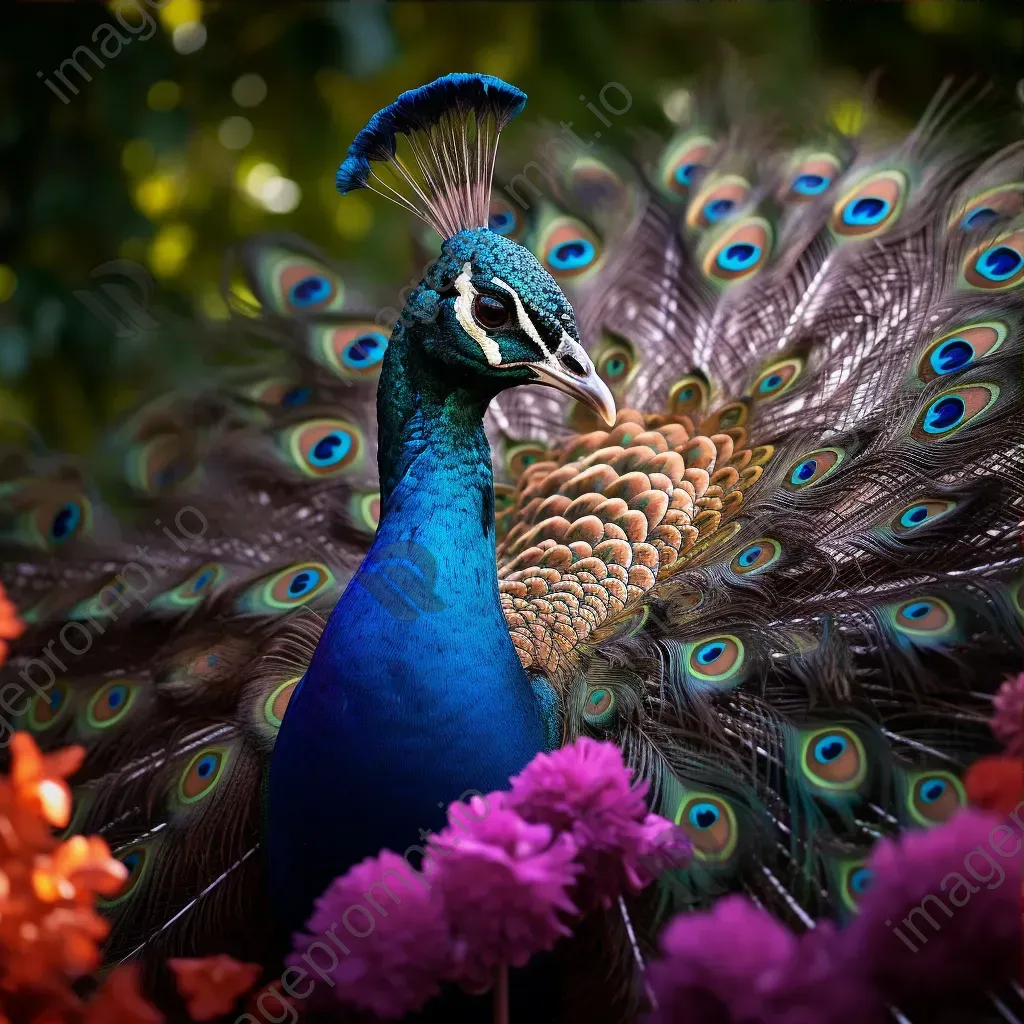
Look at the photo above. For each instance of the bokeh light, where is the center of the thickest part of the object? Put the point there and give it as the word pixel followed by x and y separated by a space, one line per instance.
pixel 235 132
pixel 249 91
pixel 163 95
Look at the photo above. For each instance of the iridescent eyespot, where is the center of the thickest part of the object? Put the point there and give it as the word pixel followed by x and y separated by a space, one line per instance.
pixel 110 704
pixel 135 859
pixel 322 448
pixel 160 464
pixel 924 617
pixel 46 710
pixel 353 351
pixel 870 207
pixel 756 557
pixel 811 177
pixel 856 879
pixel 921 513
pixel 833 759
pixel 615 363
pixel 307 288
pixel 1004 201
pixel 812 468
pixel 599 708
pixel 57 519
pixel 953 410
pixel 687 396
pixel 710 824
pixel 684 163
pixel 719 199
pixel 289 588
pixel 998 265
pixel 777 378
pixel 365 509
pixel 204 771
pixel 193 591
pixel 934 796
pixel 716 660
pixel 739 252
pixel 519 457
pixel 960 348
pixel 568 248
pixel 595 184
pixel 67 521
pixel 502 219
pixel 277 700
pixel 725 418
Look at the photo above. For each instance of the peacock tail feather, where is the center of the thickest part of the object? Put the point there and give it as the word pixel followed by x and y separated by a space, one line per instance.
pixel 786 581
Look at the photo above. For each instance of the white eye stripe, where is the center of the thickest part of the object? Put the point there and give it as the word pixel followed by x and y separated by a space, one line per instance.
pixel 525 323
pixel 464 314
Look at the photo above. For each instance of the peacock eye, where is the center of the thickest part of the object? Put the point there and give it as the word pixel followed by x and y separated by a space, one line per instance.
pixel 490 312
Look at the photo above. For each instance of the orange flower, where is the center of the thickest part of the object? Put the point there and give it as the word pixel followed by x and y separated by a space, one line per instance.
pixel 995 783
pixel 39 778
pixel 78 868
pixel 120 1001
pixel 211 985
pixel 11 627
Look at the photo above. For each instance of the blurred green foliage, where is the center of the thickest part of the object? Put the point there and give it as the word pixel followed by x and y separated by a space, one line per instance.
pixel 139 165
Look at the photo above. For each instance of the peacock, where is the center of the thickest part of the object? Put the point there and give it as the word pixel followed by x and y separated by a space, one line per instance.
pixel 712 450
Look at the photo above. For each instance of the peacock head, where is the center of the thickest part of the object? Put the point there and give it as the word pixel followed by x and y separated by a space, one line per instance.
pixel 486 309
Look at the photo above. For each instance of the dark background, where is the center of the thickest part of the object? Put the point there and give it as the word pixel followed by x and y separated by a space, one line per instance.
pixel 128 171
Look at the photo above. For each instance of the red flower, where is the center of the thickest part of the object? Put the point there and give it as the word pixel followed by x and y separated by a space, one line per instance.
pixel 211 985
pixel 120 1001
pixel 996 783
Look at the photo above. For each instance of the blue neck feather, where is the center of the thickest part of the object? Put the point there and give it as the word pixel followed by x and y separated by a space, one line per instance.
pixel 415 693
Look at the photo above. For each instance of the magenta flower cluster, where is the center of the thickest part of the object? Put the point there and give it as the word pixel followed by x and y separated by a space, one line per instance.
pixel 504 880
pixel 1008 715
pixel 736 964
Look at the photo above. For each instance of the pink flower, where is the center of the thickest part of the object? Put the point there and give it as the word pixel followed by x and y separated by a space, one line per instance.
pixel 584 790
pixel 941 918
pixel 393 926
pixel 737 964
pixel 1007 721
pixel 505 883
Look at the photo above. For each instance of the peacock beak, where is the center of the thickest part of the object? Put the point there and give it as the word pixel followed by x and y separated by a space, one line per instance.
pixel 571 371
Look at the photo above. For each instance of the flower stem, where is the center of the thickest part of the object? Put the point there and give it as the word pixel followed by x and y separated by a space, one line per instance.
pixel 501 996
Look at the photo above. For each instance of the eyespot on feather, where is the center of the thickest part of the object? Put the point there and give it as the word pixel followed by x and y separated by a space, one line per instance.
pixel 756 557
pixel 812 176
pixel 687 396
pixel 710 824
pixel 322 448
pixel 739 252
pixel 288 588
pixel 870 207
pixel 684 163
pixel 717 659
pixel 981 210
pixel 203 773
pixel 997 265
pixel 599 708
pixel 959 349
pixel 920 513
pixel 716 201
pixel 277 700
pixel 502 219
pixel 933 797
pixel 111 703
pixel 47 710
pixel 777 378
pixel 833 758
pixel 812 468
pixel 353 351
pixel 568 248
pixel 952 410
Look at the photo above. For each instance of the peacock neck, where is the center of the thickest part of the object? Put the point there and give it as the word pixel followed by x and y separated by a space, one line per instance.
pixel 415 693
